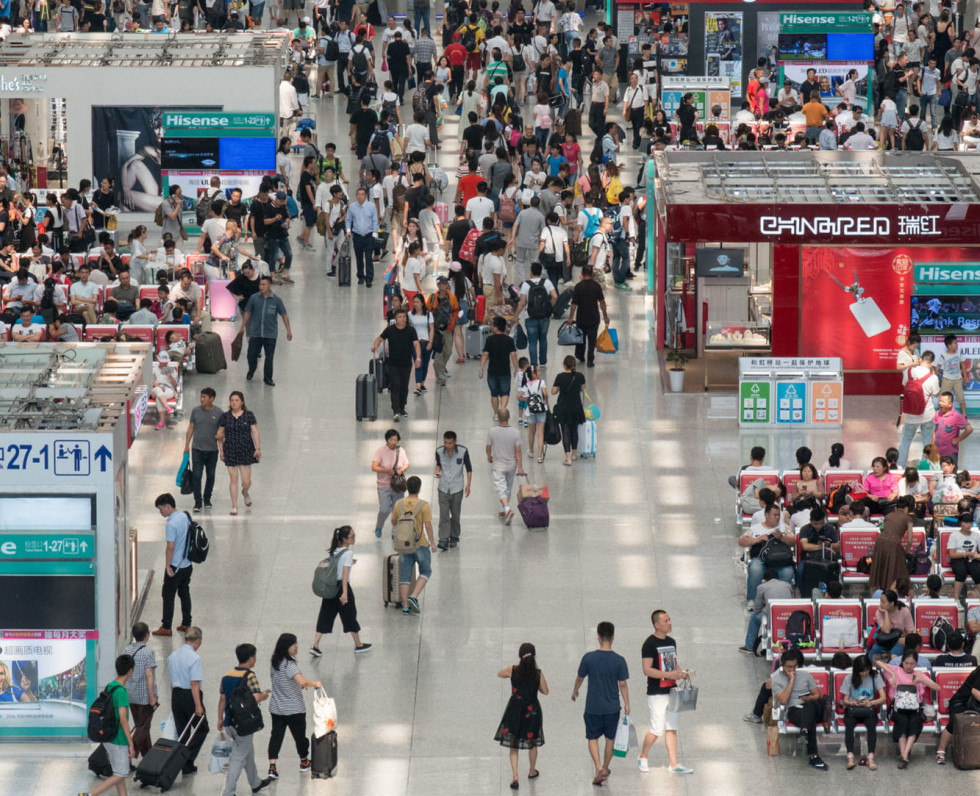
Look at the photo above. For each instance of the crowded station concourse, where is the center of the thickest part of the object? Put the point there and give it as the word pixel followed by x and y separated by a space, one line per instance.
pixel 640 522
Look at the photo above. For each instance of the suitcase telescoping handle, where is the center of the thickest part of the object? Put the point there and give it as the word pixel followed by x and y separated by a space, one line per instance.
pixel 192 726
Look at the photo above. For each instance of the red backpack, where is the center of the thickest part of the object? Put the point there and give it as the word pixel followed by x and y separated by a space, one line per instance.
pixel 914 397
pixel 468 250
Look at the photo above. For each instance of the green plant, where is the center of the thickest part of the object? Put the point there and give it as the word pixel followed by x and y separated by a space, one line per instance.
pixel 676 359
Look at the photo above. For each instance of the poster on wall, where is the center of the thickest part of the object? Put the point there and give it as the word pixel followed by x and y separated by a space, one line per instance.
pixel 767 37
pixel 829 78
pixel 126 146
pixel 723 47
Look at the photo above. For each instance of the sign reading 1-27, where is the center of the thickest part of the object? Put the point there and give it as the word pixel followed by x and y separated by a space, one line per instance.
pixel 71 457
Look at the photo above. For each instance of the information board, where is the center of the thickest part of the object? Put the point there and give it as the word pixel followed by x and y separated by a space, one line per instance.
pixel 755 401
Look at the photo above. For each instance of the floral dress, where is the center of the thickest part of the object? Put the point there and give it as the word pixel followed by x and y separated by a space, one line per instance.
pixel 239 447
pixel 522 724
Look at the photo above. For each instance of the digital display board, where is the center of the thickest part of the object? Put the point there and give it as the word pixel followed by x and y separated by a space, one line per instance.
pixel 189 153
pixel 720 262
pixel 850 46
pixel 247 153
pixel 47 602
pixel 803 46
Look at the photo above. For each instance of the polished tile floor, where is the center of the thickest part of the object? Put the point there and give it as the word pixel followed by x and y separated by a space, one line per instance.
pixel 647 524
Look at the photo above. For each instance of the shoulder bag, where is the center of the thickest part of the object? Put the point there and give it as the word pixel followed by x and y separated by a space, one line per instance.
pixel 570 334
pixel 398 481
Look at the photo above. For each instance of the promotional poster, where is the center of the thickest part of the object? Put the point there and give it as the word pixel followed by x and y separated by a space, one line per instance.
pixel 723 47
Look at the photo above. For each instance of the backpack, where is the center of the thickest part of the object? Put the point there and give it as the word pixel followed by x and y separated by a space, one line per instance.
pixel 103 717
pixel 508 208
pixel 398 194
pixel 291 207
pixel 914 138
pixel 325 583
pixel 406 536
pixel 418 101
pixel 469 39
pixel 538 300
pixel 332 51
pixel 940 634
pixel 381 144
pixel 442 312
pixel 158 215
pixel 799 627
pixel 468 250
pixel 197 541
pixel 535 401
pixel 836 499
pixel 914 397
pixel 617 232
pixel 390 107
pixel 243 711
pixel 204 208
pixel 595 217
pixel 359 60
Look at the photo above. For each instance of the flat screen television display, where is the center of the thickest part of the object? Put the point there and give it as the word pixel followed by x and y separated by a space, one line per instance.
pixel 850 46
pixel 181 154
pixel 720 263
pixel 803 46
pixel 945 314
pixel 247 153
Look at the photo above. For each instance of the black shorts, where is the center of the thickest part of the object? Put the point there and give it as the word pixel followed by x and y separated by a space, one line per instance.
pixel 309 214
pixel 601 724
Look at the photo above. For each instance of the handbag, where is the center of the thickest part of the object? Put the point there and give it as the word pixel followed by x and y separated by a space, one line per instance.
pixel 552 431
pixel 906 698
pixel 437 342
pixel 187 482
pixel 236 346
pixel 683 697
pixel 945 98
pixel 859 712
pixel 520 338
pixel 324 713
pixel 625 737
pixel 398 481
pixel 776 553
pixel 185 462
pixel 570 334
pixel 556 100
pixel 607 342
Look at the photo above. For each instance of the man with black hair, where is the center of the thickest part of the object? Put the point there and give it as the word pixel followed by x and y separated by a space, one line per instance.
pixel 799 693
pixel 120 749
pixel 399 57
pixel 362 125
pixel 142 687
pixel 178 568
pixel 242 749
pixel 956 656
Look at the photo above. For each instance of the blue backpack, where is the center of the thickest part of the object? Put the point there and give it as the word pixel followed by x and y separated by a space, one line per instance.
pixel 594 216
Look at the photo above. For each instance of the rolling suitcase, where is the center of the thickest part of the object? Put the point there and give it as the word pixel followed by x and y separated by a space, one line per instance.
pixel 966 740
pixel 481 308
pixel 562 304
pixel 323 755
pixel 817 572
pixel 343 264
pixel 441 209
pixel 587 439
pixel 475 337
pixel 366 398
pixel 389 580
pixel 534 512
pixel 163 763
pixel 573 122
pixel 376 367
pixel 210 353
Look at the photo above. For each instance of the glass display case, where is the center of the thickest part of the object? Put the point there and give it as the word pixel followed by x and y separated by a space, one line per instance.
pixel 737 335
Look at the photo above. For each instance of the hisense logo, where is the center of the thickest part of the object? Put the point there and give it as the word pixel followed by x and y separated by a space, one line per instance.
pixel 181 120
pixel 801 19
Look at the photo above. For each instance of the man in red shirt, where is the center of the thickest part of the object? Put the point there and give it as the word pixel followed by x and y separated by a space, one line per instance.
pixel 456 53
pixel 467 187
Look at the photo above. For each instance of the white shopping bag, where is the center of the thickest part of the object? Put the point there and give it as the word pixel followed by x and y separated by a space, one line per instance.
pixel 220 755
pixel 839 631
pixel 168 729
pixel 625 737
pixel 324 713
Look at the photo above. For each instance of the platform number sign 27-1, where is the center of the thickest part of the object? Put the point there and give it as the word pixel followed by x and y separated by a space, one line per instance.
pixel 755 402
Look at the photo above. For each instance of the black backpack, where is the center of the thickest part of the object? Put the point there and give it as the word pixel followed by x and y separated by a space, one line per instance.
pixel 204 208
pixel 103 717
pixel 799 627
pixel 419 101
pixel 243 711
pixel 468 39
pixel 332 51
pixel 198 544
pixel 940 634
pixel 914 139
pixel 359 60
pixel 538 300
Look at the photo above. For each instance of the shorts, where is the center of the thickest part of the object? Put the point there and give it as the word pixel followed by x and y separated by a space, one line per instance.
pixel 309 215
pixel 118 759
pixel 601 724
pixel 661 718
pixel 473 61
pixel 499 385
pixel 536 417
pixel 293 5
pixel 422 557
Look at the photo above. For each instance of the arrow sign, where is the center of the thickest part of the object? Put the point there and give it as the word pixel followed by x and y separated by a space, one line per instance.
pixel 103 454
pixel 84 546
pixel 827 390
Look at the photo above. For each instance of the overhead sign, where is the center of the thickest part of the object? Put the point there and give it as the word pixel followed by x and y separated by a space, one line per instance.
pixel 947 272
pixel 822 22
pixel 40 457
pixel 214 124
pixel 46 546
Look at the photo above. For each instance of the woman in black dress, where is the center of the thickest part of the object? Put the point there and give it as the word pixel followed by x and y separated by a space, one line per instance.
pixel 521 726
pixel 238 447
pixel 568 410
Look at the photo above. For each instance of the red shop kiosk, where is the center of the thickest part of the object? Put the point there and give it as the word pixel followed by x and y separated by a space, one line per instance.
pixel 808 254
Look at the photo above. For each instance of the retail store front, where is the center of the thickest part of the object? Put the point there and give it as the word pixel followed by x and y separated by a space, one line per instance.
pixel 811 254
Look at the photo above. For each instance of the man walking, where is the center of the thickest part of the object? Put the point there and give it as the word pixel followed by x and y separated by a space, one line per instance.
pixel 538 297
pixel 178 569
pixel 201 443
pixel 608 677
pixel 951 428
pixel 186 699
pixel 242 747
pixel 142 687
pixel 415 510
pixel 120 749
pixel 525 236
pixel 587 302
pixel 404 353
pixel 362 227
pixel 662 672
pixel 445 315
pixel 919 415
pixel 452 464
pixel 261 322
pixel 500 352
pixel 505 456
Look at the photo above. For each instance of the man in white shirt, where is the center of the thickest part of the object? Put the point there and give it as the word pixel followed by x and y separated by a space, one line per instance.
pixel 27 331
pixel 289 106
pixel 480 206
pixel 745 115
pixel 553 251
pixel 788 99
pixel 493 272
pixel 187 289
pixel 19 292
pixel 923 421
pixel 859 140
pixel 500 43
pixel 83 295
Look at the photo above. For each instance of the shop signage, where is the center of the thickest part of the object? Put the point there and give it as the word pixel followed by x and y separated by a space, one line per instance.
pixel 800 22
pixel 210 123
pixel 865 226
pixel 45 546
pixel 947 272
pixel 25 84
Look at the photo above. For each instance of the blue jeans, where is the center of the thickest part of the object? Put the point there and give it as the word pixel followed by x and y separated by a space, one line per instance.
pixel 752 633
pixel 499 386
pixel 908 435
pixel 256 344
pixel 757 569
pixel 422 557
pixel 273 247
pixel 570 36
pixel 898 649
pixel 930 103
pixel 541 135
pixel 900 99
pixel 537 339
pixel 620 260
pixel 423 371
pixel 422 15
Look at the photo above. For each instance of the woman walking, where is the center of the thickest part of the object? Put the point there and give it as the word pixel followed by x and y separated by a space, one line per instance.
pixel 343 604
pixel 421 320
pixel 521 725
pixel 238 447
pixel 863 695
pixel 569 411
pixel 535 392
pixel 286 705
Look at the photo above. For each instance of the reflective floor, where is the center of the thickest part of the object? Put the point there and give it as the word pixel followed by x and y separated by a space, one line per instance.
pixel 647 524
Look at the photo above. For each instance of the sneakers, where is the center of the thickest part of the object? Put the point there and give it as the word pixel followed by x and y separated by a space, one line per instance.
pixel 315 652
pixel 622 286
pixel 751 718
pixel 746 651
pixel 413 604
pixel 679 769
pixel 273 773
pixel 196 509
pixel 509 517
pixel 817 762
pixel 443 545
pixel 262 785
pixel 304 764
pixel 642 764
pixel 207 507
pixel 423 389
pixel 362 648
pixel 940 758
pixel 418 392
pixel 377 532
pixel 396 417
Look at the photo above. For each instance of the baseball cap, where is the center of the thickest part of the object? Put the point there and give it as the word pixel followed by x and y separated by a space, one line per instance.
pixel 281 195
pixel 163 356
pixel 455 266
pixel 442 279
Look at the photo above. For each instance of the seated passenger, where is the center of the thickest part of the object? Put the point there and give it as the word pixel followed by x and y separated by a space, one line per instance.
pixel 798 692
pixel 836 460
pixel 819 541
pixel 964 555
pixel 930 459
pixel 144 316
pixel 957 653
pixel 771 589
pixel 756 457
pixel 906 688
pixel 61 331
pixel 894 622
pixel 756 538
pixel 25 330
pixel 966 695
pixel 164 387
pixel 809 483
pixel 913 643
pixel 863 694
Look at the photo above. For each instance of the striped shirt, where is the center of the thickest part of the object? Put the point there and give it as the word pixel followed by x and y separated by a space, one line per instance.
pixel 425 51
pixel 136 686
pixel 287 696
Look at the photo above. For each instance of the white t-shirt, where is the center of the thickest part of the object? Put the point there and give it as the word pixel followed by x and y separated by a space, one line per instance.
pixel 534 181
pixel 413 266
pixel 930 388
pixel 492 264
pixel 958 543
pixel 84 289
pixel 479 208
pixel 215 228
pixel 859 142
pixel 18 330
pixel 600 246
pixel 555 239
pixel 59 294
pixel 346 560
pixel 420 323
pixel 416 136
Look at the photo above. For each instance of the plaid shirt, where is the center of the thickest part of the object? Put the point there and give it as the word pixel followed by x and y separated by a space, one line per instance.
pixel 145 659
pixel 425 50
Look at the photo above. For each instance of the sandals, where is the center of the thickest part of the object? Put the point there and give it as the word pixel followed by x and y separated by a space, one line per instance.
pixel 851 764
pixel 248 500
pixel 872 765
pixel 540 459
pixel 233 512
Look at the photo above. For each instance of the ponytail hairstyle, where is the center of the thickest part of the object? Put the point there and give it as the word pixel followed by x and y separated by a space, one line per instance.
pixel 528 666
pixel 836 452
pixel 339 537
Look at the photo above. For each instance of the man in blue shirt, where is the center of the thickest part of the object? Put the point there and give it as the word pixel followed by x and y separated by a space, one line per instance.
pixel 261 323
pixel 362 228
pixel 178 569
pixel 607 672
pixel 186 698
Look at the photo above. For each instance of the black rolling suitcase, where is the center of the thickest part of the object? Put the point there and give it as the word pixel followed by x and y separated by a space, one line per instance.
pixel 163 763
pixel 562 304
pixel 323 755
pixel 210 353
pixel 817 572
pixel 343 264
pixel 965 748
pixel 366 398
pixel 376 367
